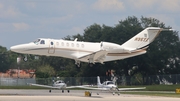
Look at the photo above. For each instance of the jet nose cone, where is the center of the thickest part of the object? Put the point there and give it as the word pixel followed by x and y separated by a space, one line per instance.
pixel 14 48
pixel 18 48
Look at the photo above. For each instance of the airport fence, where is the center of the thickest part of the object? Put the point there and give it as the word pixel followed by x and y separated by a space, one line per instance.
pixel 121 80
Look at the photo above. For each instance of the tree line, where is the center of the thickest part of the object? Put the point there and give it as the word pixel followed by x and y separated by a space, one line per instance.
pixel 162 57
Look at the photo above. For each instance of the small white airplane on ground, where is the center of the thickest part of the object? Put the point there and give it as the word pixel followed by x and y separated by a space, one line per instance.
pixel 108 86
pixel 59 84
pixel 90 52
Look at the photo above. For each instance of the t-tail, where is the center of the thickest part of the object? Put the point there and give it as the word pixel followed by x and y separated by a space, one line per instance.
pixel 142 39
pixel 98 82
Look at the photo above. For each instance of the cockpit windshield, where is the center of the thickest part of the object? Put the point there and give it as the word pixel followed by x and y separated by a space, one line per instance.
pixel 109 83
pixel 59 81
pixel 37 41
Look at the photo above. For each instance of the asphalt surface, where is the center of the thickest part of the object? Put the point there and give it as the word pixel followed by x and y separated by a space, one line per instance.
pixel 74 95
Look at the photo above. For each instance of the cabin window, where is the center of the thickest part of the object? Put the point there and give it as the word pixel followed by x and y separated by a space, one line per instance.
pixel 82 45
pixel 42 42
pixel 57 43
pixel 77 45
pixel 67 44
pixel 52 43
pixel 62 43
pixel 72 44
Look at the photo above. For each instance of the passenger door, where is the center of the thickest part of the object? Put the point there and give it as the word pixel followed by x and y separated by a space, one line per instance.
pixel 51 47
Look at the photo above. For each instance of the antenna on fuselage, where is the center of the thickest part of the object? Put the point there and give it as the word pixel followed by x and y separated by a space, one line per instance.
pixel 75 39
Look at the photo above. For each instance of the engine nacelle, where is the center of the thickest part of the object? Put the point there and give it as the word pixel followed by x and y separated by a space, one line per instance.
pixel 112 47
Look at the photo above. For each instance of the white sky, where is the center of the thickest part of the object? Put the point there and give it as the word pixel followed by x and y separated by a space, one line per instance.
pixel 23 21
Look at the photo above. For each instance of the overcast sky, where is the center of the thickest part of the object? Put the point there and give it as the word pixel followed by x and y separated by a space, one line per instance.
pixel 23 21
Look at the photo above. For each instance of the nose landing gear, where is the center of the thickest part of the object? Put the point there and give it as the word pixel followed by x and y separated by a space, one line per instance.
pixel 25 58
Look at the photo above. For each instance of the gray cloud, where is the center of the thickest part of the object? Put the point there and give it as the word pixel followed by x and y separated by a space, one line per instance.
pixel 108 5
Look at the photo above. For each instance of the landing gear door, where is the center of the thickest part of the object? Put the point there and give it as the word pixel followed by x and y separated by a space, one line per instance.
pixel 51 49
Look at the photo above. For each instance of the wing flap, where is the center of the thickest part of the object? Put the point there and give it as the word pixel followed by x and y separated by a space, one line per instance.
pixel 121 89
pixel 98 56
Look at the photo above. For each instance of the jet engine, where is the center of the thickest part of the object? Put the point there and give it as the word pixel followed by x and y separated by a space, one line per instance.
pixel 113 48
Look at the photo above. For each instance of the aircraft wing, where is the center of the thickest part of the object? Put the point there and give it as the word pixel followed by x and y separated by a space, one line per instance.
pixel 91 88
pixel 72 87
pixel 46 86
pixel 121 89
pixel 98 56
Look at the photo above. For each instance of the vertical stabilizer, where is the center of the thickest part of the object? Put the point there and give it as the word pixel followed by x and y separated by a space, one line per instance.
pixel 98 81
pixel 142 39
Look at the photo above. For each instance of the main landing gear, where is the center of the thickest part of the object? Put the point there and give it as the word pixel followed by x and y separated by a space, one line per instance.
pixel 25 58
pixel 78 63
pixel 62 91
pixel 67 91
pixel 91 64
pixel 115 93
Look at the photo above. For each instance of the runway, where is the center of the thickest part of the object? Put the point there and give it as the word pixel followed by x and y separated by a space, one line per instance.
pixel 74 95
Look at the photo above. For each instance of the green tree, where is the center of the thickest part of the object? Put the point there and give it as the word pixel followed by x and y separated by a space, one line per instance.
pixel 162 55
pixel 45 71
pixel 4 59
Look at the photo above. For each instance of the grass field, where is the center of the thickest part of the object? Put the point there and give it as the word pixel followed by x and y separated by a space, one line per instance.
pixel 165 94
pixel 156 87
pixel 156 90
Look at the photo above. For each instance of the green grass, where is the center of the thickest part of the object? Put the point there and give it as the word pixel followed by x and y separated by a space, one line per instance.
pixel 154 94
pixel 162 87
pixel 156 87
pixel 157 90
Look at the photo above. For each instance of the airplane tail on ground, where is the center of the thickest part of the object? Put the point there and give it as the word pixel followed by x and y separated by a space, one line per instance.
pixel 142 39
pixel 98 82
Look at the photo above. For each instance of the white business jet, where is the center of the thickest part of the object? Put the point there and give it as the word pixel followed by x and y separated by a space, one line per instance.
pixel 59 84
pixel 88 51
pixel 108 86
